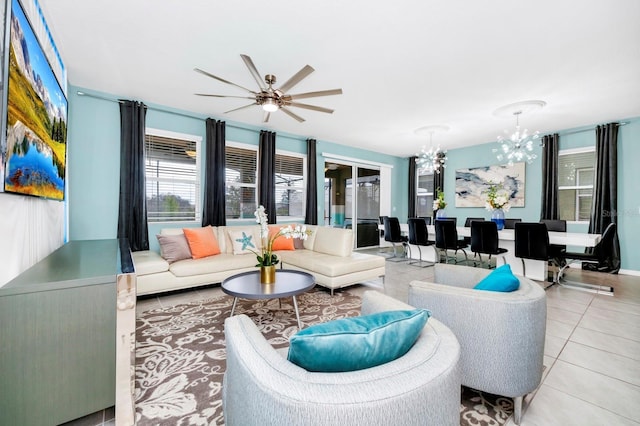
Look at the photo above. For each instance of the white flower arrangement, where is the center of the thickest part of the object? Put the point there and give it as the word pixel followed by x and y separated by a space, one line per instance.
pixel 439 202
pixel 267 257
pixel 497 198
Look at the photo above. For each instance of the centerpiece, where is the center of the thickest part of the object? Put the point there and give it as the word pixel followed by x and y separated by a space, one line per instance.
pixel 439 205
pixel 267 259
pixel 497 203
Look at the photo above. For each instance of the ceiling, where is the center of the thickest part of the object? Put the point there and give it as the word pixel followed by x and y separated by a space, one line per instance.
pixel 402 65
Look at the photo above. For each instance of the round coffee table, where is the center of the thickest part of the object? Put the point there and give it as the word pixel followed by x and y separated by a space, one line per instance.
pixel 288 283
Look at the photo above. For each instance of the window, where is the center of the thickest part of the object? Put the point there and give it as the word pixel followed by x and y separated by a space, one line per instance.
pixel 290 186
pixel 240 181
pixel 576 173
pixel 172 176
pixel 424 194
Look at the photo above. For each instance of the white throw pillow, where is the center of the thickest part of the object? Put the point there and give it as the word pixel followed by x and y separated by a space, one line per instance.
pixel 244 240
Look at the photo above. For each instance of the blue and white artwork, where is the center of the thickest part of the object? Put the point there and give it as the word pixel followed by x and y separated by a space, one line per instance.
pixel 472 184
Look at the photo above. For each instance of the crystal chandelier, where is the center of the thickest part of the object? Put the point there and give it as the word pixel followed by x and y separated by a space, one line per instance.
pixel 431 160
pixel 519 145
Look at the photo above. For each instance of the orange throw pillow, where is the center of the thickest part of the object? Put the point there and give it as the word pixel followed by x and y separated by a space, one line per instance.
pixel 282 242
pixel 201 241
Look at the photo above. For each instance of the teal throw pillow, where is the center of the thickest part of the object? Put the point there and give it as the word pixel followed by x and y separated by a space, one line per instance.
pixel 356 343
pixel 501 279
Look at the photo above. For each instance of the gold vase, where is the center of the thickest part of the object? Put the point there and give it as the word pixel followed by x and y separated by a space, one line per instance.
pixel 268 274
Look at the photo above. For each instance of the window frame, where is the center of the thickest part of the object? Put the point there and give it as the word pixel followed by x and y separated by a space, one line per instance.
pixel 248 147
pixel 198 172
pixel 418 194
pixel 305 176
pixel 577 188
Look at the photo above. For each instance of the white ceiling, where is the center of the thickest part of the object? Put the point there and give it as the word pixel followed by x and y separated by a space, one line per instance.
pixel 402 65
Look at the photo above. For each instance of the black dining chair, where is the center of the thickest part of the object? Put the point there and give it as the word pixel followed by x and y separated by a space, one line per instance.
pixel 427 219
pixel 393 235
pixel 419 237
pixel 467 224
pixel 447 239
pixel 484 240
pixel 600 255
pixel 532 242
pixel 511 223
pixel 556 251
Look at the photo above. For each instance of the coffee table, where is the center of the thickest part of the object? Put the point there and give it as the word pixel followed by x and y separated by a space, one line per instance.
pixel 288 283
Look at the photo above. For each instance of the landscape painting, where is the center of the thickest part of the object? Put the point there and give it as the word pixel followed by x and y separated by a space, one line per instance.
pixel 472 184
pixel 36 117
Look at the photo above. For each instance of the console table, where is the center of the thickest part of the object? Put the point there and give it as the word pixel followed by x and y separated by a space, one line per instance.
pixel 58 333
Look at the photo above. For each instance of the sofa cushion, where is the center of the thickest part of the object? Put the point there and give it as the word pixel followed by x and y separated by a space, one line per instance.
pixel 311 238
pixel 357 343
pixel 334 241
pixel 174 247
pixel 226 242
pixel 501 279
pixel 331 266
pixel 202 242
pixel 148 262
pixel 244 241
pixel 212 264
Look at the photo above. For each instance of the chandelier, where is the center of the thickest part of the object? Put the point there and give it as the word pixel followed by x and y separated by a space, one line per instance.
pixel 519 145
pixel 431 160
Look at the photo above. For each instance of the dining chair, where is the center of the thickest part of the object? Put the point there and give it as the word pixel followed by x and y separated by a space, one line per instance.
pixel 484 240
pixel 532 242
pixel 393 235
pixel 447 239
pixel 511 223
pixel 427 219
pixel 467 224
pixel 419 237
pixel 556 250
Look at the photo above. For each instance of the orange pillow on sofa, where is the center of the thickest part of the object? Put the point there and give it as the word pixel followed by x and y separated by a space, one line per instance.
pixel 282 242
pixel 201 241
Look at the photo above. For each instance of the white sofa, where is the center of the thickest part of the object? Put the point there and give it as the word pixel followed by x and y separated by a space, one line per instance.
pixel 327 255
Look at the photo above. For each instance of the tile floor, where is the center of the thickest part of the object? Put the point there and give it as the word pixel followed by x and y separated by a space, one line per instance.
pixel 592 350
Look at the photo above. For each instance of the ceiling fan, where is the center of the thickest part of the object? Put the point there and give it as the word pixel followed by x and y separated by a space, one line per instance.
pixel 271 99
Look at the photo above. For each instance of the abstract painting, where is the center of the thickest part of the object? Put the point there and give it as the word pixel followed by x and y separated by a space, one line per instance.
pixel 472 184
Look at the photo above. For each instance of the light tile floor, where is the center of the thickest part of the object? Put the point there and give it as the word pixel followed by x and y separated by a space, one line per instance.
pixel 592 350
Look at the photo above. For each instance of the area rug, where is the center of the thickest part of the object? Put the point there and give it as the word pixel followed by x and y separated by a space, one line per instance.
pixel 180 356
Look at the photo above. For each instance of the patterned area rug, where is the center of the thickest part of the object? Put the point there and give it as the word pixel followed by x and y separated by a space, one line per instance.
pixel 180 357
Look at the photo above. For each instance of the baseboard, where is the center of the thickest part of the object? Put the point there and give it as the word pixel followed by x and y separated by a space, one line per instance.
pixel 629 272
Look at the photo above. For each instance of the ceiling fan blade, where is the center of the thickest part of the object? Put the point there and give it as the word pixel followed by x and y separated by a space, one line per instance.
pixel 242 107
pixel 254 71
pixel 291 114
pixel 311 107
pixel 222 80
pixel 315 94
pixel 265 118
pixel 223 96
pixel 297 78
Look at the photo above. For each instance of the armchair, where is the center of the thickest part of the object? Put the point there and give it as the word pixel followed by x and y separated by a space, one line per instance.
pixel 262 388
pixel 501 335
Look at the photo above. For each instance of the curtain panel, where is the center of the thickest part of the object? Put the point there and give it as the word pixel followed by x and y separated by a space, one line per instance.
pixel 267 175
pixel 214 207
pixel 311 206
pixel 132 209
pixel 605 191
pixel 549 206
pixel 413 182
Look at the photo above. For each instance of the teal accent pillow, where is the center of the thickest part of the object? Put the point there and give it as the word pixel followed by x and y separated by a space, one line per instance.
pixel 501 279
pixel 356 343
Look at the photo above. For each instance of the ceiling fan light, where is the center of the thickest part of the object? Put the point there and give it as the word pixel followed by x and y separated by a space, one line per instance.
pixel 270 105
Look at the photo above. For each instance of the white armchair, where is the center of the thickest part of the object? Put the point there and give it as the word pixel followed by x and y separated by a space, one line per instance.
pixel 262 388
pixel 501 335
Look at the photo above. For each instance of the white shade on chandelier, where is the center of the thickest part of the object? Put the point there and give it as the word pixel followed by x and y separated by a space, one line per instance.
pixel 519 145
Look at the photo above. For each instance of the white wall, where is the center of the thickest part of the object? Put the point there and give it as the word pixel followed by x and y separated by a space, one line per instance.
pixel 30 229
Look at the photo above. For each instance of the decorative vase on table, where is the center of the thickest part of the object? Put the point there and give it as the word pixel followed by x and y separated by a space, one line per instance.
pixel 268 274
pixel 441 214
pixel 497 216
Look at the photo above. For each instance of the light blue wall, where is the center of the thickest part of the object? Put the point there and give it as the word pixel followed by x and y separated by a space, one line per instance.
pixel 94 161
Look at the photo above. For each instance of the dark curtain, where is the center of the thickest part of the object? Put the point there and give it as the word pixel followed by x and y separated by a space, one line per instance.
pixel 311 209
pixel 438 184
pixel 132 210
pixel 267 179
pixel 214 207
pixel 412 187
pixel 549 208
pixel 605 193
